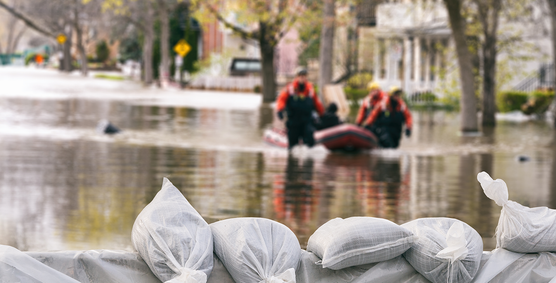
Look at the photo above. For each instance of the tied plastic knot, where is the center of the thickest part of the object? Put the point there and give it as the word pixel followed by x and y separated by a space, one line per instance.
pixel 496 190
pixel 287 276
pixel 189 276
pixel 456 244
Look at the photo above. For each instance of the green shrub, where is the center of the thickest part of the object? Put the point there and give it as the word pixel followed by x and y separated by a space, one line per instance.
pixel 355 94
pixel 31 58
pixel 359 81
pixel 257 89
pixel 102 51
pixel 511 100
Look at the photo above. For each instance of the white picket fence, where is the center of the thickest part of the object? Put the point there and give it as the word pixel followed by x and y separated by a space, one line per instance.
pixel 225 83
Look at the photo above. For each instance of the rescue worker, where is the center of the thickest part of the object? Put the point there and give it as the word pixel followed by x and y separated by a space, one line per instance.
pixel 299 100
pixel 369 102
pixel 387 119
pixel 330 118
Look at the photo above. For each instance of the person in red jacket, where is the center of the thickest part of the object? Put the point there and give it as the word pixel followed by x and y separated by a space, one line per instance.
pixel 387 119
pixel 373 98
pixel 299 100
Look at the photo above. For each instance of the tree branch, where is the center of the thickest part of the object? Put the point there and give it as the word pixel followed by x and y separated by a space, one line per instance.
pixel 26 20
pixel 242 32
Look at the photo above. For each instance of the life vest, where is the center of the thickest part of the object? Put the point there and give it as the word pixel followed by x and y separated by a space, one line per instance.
pixel 300 106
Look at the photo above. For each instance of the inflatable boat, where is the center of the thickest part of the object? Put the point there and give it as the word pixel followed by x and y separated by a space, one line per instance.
pixel 341 137
pixel 346 137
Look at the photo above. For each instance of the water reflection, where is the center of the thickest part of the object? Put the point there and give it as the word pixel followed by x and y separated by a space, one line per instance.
pixel 83 191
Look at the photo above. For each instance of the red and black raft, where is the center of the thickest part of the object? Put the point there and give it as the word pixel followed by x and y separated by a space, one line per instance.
pixel 346 137
pixel 341 137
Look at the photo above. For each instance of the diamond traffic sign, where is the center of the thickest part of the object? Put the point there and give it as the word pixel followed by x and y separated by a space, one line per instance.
pixel 61 38
pixel 182 48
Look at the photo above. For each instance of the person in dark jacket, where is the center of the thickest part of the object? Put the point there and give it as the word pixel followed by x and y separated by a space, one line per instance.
pixel 329 119
pixel 299 100
pixel 387 119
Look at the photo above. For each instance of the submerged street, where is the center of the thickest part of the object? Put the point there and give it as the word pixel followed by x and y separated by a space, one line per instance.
pixel 65 186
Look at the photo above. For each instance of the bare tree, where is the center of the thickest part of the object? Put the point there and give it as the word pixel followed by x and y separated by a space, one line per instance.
pixel 489 11
pixel 552 8
pixel 469 120
pixel 273 18
pixel 327 44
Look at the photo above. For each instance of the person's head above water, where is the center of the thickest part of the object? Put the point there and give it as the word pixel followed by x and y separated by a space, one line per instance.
pixel 332 108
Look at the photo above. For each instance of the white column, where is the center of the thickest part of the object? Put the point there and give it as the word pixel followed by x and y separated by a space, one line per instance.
pixel 376 72
pixel 388 61
pixel 437 64
pixel 428 63
pixel 417 69
pixel 407 65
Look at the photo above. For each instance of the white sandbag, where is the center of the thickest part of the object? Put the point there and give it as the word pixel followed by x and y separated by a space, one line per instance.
pixel 16 266
pixel 446 250
pixel 255 250
pixel 342 243
pixel 173 239
pixel 520 228
pixel 94 266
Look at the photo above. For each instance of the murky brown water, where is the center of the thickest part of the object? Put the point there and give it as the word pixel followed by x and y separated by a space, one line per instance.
pixel 64 186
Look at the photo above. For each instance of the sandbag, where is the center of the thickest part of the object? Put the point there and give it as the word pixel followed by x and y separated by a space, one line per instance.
pixel 256 250
pixel 173 239
pixel 446 250
pixel 520 229
pixel 16 266
pixel 341 243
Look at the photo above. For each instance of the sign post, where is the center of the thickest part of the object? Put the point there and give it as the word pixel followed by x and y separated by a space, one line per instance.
pixel 182 48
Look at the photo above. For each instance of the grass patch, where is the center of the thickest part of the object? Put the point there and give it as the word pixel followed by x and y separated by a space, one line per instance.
pixel 109 77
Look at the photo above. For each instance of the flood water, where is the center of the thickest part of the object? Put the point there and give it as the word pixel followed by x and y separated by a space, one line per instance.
pixel 64 186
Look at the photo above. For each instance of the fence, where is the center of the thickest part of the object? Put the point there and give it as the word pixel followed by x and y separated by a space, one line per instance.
pixel 9 59
pixel 226 83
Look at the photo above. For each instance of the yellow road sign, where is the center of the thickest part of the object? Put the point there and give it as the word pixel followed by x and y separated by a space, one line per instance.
pixel 61 38
pixel 182 48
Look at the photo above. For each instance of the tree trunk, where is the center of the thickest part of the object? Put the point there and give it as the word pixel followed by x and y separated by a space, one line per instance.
pixel 552 5
pixel 267 44
pixel 148 45
pixel 327 45
pixel 488 12
pixel 79 39
pixel 489 81
pixel 67 64
pixel 469 121
pixel 164 73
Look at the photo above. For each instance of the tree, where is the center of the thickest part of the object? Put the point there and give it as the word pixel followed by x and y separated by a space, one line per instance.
pixel 141 14
pixel 469 121
pixel 327 44
pixel 164 39
pixel 488 12
pixel 552 10
pixel 266 22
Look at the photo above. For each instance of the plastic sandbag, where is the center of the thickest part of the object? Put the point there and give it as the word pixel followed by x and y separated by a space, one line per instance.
pixel 16 266
pixel 342 243
pixel 520 228
pixel 173 239
pixel 93 266
pixel 255 250
pixel 446 250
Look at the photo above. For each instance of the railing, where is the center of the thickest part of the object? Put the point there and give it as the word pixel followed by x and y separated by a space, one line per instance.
pixel 544 78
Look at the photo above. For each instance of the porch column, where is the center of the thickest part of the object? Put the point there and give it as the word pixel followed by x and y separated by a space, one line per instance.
pixel 376 72
pixel 428 63
pixel 407 65
pixel 417 65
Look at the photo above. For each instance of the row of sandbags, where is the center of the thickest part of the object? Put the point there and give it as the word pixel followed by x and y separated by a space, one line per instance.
pixel 178 245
